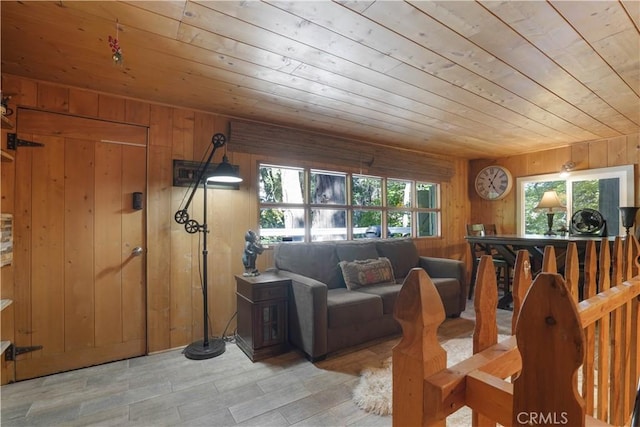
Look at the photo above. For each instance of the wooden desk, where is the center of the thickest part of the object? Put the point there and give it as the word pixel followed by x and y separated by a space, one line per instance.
pixel 508 245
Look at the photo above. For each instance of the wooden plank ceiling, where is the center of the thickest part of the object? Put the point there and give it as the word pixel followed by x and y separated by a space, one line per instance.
pixel 463 78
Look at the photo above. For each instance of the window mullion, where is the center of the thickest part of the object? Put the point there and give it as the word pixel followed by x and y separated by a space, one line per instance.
pixel 336 215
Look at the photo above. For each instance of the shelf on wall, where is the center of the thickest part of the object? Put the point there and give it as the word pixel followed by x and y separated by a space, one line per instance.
pixel 6 157
pixel 6 123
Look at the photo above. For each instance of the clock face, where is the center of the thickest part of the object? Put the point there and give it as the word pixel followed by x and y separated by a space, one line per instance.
pixel 493 182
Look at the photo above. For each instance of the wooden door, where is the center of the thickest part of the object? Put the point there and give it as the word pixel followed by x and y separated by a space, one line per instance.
pixel 80 282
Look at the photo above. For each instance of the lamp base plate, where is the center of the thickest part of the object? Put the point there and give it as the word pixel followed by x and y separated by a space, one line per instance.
pixel 198 351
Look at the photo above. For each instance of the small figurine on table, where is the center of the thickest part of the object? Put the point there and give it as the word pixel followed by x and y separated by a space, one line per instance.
pixel 252 248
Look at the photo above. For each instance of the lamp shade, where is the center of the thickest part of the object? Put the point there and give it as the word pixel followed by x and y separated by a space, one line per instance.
pixel 225 173
pixel 550 202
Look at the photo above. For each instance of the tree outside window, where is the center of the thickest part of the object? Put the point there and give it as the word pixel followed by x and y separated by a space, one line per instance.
pixel 281 186
pixel 305 204
pixel 536 221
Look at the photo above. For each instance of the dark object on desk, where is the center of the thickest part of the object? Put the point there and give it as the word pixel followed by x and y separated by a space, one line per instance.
pixel 252 248
pixel 588 222
pixel 563 230
pixel 628 214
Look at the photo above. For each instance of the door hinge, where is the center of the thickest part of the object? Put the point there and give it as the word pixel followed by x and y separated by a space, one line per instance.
pixel 14 351
pixel 13 142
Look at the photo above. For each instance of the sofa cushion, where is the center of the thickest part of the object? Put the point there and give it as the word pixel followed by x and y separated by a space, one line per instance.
pixel 347 308
pixel 387 291
pixel 315 260
pixel 350 251
pixel 402 253
pixel 366 272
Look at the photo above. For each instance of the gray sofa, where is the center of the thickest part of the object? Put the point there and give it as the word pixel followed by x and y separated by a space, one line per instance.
pixel 325 316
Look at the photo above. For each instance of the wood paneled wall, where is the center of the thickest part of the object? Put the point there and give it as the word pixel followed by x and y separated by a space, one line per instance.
pixel 602 153
pixel 174 297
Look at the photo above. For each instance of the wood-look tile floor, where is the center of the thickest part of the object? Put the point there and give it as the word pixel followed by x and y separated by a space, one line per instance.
pixel 167 389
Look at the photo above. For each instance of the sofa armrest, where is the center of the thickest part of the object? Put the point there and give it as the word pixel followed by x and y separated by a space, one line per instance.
pixel 307 314
pixel 444 267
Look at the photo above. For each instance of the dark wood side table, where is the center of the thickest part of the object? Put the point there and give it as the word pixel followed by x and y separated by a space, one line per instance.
pixel 262 315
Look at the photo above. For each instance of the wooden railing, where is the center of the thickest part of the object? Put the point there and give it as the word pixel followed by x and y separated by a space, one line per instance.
pixel 570 362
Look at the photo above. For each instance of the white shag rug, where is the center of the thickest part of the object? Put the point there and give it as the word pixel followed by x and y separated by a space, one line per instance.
pixel 373 392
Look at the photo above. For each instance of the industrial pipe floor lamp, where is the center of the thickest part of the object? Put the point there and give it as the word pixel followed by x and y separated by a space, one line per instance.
pixel 206 348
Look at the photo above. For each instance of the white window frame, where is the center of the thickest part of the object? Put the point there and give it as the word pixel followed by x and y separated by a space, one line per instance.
pixel 349 206
pixel 623 173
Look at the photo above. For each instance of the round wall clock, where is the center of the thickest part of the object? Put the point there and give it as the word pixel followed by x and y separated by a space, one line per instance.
pixel 493 182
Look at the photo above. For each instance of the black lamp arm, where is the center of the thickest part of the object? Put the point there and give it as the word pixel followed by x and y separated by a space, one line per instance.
pixel 218 141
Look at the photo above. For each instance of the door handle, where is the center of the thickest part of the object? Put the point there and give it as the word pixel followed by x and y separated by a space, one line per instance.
pixel 137 251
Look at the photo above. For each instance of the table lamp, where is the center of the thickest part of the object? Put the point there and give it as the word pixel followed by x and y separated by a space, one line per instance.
pixel 550 203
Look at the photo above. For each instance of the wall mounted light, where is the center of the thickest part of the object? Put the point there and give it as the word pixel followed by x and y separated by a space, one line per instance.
pixel 566 168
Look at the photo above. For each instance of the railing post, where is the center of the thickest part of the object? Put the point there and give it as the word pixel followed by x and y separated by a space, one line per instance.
pixel 549 263
pixel 627 262
pixel 485 302
pixel 635 347
pixel 635 256
pixel 572 270
pixel 485 333
pixel 617 378
pixel 594 283
pixel 522 279
pixel 589 290
pixel 551 342
pixel 418 354
pixel 590 285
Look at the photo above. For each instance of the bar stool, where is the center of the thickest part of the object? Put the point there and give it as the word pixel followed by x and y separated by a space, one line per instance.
pixel 503 270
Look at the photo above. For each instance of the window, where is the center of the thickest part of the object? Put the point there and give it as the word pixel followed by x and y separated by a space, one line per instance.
pixel 281 193
pixel 601 189
pixel 366 199
pixel 427 202
pixel 536 221
pixel 312 205
pixel 398 200
pixel 328 192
